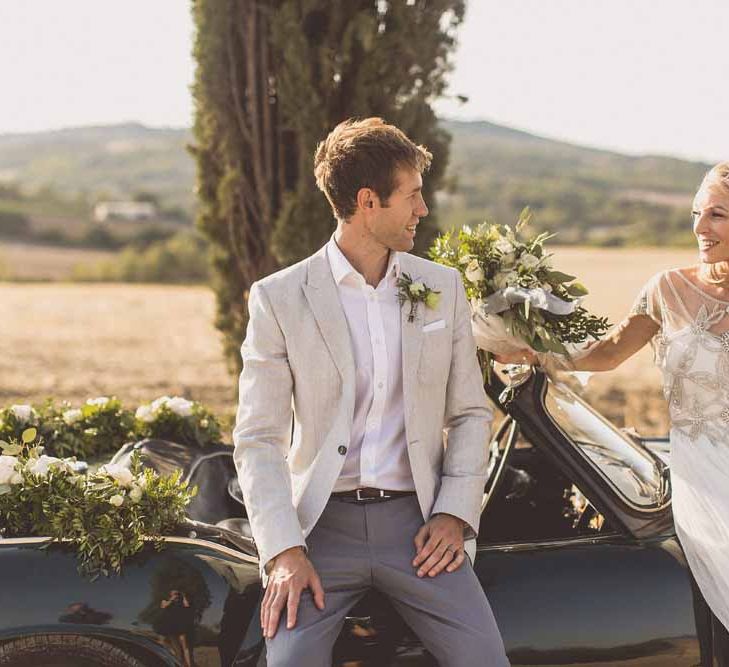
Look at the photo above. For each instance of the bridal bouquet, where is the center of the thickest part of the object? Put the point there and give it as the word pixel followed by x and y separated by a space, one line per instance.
pixel 108 515
pixel 519 301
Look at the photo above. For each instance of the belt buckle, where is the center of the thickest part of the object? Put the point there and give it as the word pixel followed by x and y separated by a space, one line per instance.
pixel 365 499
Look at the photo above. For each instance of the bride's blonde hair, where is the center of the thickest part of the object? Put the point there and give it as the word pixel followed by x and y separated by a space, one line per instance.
pixel 718 272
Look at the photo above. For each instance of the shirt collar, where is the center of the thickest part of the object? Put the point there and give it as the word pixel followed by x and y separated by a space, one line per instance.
pixel 341 268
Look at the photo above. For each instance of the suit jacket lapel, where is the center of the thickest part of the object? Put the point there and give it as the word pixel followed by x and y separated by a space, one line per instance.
pixel 412 341
pixel 321 293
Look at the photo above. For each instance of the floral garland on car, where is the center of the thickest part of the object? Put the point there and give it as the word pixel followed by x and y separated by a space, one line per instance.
pixel 102 425
pixel 108 515
pixel 177 419
pixel 518 300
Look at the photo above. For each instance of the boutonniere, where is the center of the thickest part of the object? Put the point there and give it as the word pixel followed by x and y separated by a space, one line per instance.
pixel 415 292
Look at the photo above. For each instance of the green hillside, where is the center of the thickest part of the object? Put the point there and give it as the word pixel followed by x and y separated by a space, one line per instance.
pixel 584 194
pixel 103 162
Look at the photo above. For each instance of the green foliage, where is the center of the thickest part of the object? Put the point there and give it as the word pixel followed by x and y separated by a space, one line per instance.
pixel 107 516
pixel 271 81
pixel 180 259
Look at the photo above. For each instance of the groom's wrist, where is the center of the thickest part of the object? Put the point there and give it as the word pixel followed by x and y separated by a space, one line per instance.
pixel 291 551
pixel 461 522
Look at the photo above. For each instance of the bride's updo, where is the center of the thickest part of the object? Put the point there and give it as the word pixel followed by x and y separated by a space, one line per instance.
pixel 717 176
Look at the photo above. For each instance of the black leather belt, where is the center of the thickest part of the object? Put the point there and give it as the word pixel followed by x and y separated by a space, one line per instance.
pixel 369 495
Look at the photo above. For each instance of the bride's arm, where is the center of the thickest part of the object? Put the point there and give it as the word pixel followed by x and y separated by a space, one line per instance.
pixel 622 342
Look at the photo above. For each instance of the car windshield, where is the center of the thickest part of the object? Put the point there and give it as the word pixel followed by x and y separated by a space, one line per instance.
pixel 627 466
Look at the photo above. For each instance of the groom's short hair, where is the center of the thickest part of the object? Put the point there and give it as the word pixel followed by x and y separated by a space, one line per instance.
pixel 364 154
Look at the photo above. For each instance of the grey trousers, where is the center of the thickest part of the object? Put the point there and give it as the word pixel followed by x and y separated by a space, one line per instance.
pixel 358 547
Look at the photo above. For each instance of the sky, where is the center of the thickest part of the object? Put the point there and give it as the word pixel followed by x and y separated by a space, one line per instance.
pixel 637 76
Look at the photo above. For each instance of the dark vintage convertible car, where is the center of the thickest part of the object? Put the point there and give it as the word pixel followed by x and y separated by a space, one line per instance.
pixel 577 555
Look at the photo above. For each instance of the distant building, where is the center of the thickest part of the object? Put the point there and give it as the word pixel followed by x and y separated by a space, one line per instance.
pixel 134 211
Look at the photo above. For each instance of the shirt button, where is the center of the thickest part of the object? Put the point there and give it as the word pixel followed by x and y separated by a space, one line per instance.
pixel 380 385
pixel 342 450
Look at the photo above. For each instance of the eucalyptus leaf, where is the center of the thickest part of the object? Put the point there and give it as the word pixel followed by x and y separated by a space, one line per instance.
pixel 560 277
pixel 29 435
pixel 576 289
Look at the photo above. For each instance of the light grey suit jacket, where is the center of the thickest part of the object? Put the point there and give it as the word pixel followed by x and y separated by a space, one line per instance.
pixel 298 360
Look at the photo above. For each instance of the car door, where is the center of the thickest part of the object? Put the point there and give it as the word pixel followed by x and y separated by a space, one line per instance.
pixel 594 580
pixel 603 600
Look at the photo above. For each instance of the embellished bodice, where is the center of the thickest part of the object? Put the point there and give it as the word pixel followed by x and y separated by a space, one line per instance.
pixel 692 351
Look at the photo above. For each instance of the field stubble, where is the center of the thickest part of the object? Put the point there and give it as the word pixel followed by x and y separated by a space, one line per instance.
pixel 138 342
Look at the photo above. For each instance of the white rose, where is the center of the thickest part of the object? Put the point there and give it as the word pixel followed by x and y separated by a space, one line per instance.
pixel 8 470
pixel 157 403
pixel 101 400
pixel 504 246
pixel 528 261
pixel 145 413
pixel 416 288
pixel 72 416
pixel 180 406
pixel 23 413
pixel 117 500
pixel 43 464
pixel 474 272
pixel 508 259
pixel 135 495
pixel 500 279
pixel 123 476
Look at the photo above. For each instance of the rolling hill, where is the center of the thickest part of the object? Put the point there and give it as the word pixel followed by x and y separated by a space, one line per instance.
pixel 585 194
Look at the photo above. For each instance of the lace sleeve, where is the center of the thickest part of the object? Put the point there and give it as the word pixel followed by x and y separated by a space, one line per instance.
pixel 648 301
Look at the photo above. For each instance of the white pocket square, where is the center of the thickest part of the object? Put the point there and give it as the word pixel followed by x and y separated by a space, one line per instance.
pixel 434 326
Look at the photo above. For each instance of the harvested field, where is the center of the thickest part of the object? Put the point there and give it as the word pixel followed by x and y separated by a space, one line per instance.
pixel 138 342
pixel 135 342
pixel 25 261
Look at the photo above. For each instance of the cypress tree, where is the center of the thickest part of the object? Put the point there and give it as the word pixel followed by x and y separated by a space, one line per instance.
pixel 273 78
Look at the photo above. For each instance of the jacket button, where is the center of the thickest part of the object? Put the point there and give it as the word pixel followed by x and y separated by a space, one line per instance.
pixel 342 450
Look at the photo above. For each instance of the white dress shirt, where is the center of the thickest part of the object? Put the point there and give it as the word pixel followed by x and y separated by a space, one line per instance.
pixel 377 454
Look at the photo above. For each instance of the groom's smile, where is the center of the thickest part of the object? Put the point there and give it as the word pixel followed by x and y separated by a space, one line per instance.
pixel 400 215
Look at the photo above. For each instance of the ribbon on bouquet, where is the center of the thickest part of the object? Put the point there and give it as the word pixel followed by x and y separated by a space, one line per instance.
pixel 537 297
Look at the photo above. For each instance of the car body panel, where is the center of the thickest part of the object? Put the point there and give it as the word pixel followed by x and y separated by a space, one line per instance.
pixel 47 595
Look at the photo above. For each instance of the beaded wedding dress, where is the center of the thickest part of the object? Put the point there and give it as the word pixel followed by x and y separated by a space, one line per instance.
pixel 692 351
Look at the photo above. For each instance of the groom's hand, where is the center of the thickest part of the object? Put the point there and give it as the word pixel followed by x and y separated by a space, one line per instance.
pixel 439 545
pixel 290 573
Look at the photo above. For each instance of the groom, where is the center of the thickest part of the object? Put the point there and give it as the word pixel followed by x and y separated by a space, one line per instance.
pixel 364 493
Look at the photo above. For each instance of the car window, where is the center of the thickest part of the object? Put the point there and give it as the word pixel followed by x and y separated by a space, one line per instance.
pixel 627 466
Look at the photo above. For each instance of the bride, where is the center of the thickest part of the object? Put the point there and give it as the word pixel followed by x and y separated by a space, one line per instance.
pixel 684 314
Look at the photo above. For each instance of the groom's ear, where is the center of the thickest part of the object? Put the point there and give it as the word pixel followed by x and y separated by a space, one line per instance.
pixel 366 198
